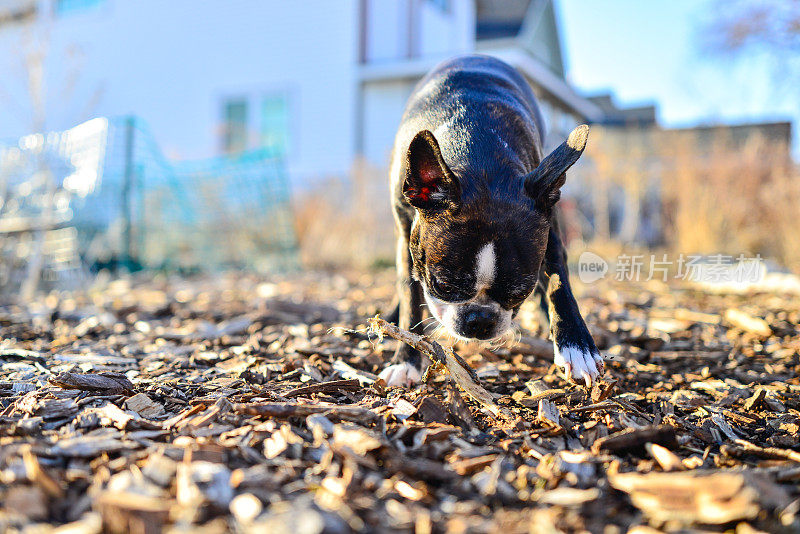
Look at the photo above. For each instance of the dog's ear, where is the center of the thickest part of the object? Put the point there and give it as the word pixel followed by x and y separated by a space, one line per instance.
pixel 543 185
pixel 429 183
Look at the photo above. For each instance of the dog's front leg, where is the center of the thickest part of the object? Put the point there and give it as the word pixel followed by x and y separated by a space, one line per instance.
pixel 574 347
pixel 406 367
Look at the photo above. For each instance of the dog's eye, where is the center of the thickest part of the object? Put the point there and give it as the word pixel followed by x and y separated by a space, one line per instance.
pixel 439 286
pixel 446 290
pixel 517 296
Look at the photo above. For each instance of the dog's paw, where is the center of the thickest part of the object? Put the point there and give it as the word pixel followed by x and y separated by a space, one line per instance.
pixel 579 361
pixel 401 374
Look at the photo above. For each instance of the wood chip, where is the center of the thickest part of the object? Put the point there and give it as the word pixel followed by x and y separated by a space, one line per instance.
pixel 634 440
pixel 144 406
pixel 699 496
pixel 665 458
pixel 747 322
pixel 548 413
pixel 252 403
pixel 109 383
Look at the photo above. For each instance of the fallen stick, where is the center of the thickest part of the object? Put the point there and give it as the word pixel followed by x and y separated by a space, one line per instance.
pixel 324 387
pixel 605 405
pixel 105 382
pixel 743 447
pixel 282 410
pixel 462 373
pixel 432 349
pixel 534 346
pixel 634 439
pixel 747 322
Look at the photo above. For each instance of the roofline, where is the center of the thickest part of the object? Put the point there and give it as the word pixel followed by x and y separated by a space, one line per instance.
pixel 404 69
pixel 724 125
pixel 533 69
pixel 548 80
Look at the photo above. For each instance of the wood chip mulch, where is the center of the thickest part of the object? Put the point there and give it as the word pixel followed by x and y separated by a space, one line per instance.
pixel 242 404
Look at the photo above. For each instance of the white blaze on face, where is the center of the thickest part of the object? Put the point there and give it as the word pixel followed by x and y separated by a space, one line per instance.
pixel 447 313
pixel 484 267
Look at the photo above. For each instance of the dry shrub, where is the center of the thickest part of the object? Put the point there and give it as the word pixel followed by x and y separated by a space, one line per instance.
pixel 732 199
pixel 717 193
pixel 346 222
pixel 713 194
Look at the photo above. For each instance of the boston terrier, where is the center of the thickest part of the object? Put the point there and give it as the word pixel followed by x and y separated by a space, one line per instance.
pixel 474 202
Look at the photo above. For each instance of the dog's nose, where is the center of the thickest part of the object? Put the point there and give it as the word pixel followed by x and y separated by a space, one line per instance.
pixel 479 323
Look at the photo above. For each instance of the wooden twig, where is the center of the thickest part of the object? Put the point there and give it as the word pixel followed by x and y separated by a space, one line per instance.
pixel 742 447
pixel 324 387
pixel 634 439
pixel 282 410
pixel 105 382
pixel 460 370
pixel 431 348
pixel 605 405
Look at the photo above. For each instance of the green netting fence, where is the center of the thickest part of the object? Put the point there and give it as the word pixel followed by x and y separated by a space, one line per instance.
pixel 102 195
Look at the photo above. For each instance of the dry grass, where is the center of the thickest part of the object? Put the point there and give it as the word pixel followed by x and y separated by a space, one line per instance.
pixel 712 195
pixel 715 195
pixel 341 224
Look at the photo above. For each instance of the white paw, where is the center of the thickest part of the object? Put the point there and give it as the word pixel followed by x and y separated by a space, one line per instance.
pixel 579 363
pixel 401 374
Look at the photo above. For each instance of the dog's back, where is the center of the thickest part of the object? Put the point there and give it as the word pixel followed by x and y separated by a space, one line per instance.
pixel 485 117
pixel 474 203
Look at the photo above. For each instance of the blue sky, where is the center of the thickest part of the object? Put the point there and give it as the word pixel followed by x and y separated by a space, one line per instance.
pixel 651 51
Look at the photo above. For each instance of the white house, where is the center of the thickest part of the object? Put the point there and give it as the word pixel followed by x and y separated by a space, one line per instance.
pixel 320 81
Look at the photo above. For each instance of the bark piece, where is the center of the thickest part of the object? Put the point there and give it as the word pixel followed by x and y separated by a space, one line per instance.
pixel 634 439
pixel 287 410
pixel 326 387
pixel 108 383
pixel 461 372
pixel 145 406
pixel 699 496
pixel 431 410
pixel 747 322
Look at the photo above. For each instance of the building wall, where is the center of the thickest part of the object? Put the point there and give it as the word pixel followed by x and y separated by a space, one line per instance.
pixel 383 103
pixel 175 63
pixel 406 37
pixel 405 29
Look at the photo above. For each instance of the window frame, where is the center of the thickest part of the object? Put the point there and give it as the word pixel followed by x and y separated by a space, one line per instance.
pixel 225 138
pixel 255 98
pixel 80 7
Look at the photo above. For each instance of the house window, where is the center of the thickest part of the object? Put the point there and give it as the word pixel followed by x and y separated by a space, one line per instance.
pixel 275 124
pixel 235 134
pixel 443 5
pixel 15 12
pixel 67 7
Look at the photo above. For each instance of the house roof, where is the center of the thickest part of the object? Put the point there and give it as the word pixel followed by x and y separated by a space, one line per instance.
pixel 499 19
pixel 550 82
pixel 532 24
pixel 614 115
pixel 523 33
pixel 16 10
pixel 773 132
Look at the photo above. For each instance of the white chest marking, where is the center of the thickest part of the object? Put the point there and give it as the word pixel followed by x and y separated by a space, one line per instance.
pixel 485 267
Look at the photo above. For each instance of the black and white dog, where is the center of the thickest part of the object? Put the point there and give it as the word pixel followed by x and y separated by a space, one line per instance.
pixel 474 201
